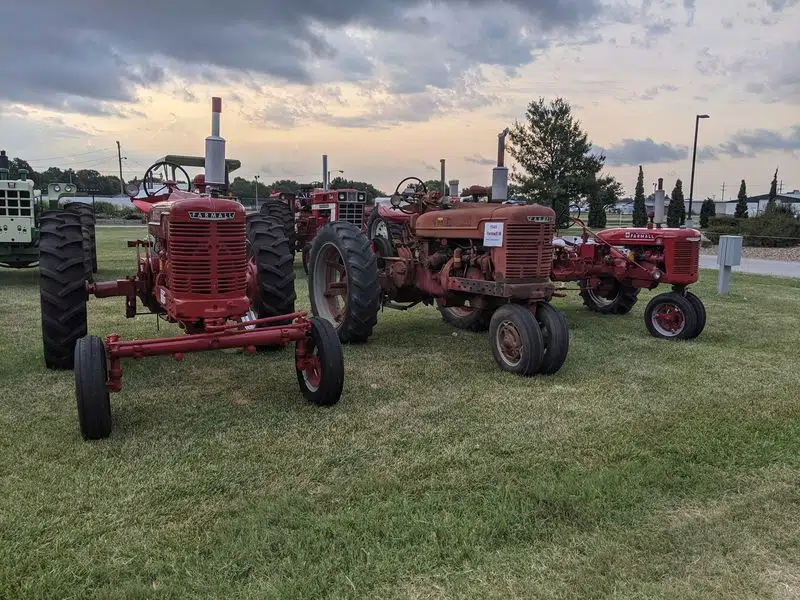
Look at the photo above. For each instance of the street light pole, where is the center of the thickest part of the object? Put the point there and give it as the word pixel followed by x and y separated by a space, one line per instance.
pixel 694 159
pixel 335 171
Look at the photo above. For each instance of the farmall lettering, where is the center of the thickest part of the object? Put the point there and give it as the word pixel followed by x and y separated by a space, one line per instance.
pixel 539 219
pixel 212 216
pixel 635 235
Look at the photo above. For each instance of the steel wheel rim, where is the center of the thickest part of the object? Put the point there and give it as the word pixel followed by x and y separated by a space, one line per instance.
pixel 668 319
pixel 602 300
pixel 509 343
pixel 379 229
pixel 330 282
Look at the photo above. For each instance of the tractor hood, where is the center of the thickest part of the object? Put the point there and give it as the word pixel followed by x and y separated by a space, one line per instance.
pixel 470 221
pixel 625 235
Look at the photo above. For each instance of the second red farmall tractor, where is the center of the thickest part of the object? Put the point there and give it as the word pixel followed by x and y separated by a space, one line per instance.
pixel 613 265
pixel 226 279
pixel 492 259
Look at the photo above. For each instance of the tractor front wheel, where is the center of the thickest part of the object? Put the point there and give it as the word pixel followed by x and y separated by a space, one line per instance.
pixel 555 335
pixel 700 310
pixel 91 393
pixel 343 285
pixel 609 297
pixel 62 287
pixel 517 343
pixel 671 316
pixel 320 364
pixel 465 317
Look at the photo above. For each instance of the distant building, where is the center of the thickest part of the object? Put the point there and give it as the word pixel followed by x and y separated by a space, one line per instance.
pixel 757 204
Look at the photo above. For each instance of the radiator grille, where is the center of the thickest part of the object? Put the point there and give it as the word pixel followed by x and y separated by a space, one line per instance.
pixel 529 250
pixel 352 212
pixel 15 203
pixel 686 259
pixel 207 258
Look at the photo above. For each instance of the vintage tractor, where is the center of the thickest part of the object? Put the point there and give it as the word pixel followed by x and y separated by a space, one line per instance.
pixel 20 219
pixel 304 214
pixel 613 265
pixel 491 260
pixel 225 278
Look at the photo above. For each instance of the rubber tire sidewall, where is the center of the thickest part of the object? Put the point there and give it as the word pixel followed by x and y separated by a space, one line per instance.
pixel 331 357
pixel 91 394
pixel 555 353
pixel 531 334
pixel 700 311
pixel 686 306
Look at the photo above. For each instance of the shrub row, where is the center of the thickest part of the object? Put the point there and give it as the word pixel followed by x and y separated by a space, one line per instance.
pixel 778 229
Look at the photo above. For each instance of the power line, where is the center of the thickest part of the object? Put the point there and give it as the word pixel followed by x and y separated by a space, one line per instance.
pixel 67 155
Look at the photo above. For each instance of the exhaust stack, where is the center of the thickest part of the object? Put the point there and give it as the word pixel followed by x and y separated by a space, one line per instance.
pixel 442 180
pixel 4 170
pixel 453 188
pixel 658 204
pixel 500 172
pixel 215 149
pixel 325 172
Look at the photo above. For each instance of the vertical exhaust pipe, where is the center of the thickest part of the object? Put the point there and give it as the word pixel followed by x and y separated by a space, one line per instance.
pixel 500 172
pixel 442 179
pixel 658 204
pixel 215 149
pixel 325 172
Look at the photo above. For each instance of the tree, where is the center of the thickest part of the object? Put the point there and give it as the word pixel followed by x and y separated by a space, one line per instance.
pixel 597 213
pixel 639 209
pixel 554 156
pixel 773 194
pixel 433 185
pixel 707 210
pixel 340 183
pixel 676 210
pixel 741 202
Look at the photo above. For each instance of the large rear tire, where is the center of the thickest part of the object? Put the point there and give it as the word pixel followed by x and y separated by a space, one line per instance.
pixel 62 287
pixel 91 393
pixel 610 297
pixel 343 282
pixel 269 256
pixel 88 221
pixel 282 212
pixel 322 380
pixel 516 340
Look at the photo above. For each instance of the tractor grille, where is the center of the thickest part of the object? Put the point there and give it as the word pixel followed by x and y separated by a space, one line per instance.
pixel 352 212
pixel 529 250
pixel 686 258
pixel 15 203
pixel 207 259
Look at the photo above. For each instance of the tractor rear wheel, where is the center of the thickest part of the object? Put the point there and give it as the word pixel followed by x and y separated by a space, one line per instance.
pixel 276 209
pixel 343 285
pixel 272 268
pixel 306 257
pixel 62 287
pixel 700 310
pixel 91 393
pixel 517 343
pixel 610 297
pixel 465 317
pixel 555 335
pixel 671 316
pixel 377 226
pixel 322 378
pixel 88 221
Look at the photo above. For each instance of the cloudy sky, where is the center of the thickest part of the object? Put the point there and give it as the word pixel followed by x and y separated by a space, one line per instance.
pixel 388 87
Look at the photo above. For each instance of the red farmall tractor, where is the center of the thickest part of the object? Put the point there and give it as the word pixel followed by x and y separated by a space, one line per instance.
pixel 613 265
pixel 306 213
pixel 492 261
pixel 226 279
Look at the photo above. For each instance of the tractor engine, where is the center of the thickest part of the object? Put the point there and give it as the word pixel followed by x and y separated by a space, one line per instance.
pixel 198 269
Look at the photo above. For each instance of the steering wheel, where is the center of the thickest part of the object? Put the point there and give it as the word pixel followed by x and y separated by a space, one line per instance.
pixel 169 182
pixel 400 197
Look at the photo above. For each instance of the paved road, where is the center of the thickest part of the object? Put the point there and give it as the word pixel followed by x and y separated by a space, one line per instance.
pixel 756 265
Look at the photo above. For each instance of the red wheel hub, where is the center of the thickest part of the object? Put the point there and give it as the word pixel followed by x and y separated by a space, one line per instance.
pixel 669 318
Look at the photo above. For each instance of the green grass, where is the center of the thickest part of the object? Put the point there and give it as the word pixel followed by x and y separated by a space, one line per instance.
pixel 643 469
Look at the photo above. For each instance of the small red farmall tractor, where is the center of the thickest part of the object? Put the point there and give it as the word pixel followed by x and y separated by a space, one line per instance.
pixel 613 265
pixel 304 214
pixel 491 261
pixel 226 279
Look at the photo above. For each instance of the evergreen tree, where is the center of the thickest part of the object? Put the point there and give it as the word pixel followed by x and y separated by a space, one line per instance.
pixel 707 210
pixel 741 202
pixel 639 209
pixel 773 194
pixel 597 211
pixel 676 213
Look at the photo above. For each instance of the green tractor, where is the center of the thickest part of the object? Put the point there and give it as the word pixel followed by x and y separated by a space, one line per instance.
pixel 22 213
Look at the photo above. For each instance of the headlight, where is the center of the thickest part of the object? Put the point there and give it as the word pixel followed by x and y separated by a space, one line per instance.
pixel 56 188
pixel 342 196
pixel 361 197
pixel 67 188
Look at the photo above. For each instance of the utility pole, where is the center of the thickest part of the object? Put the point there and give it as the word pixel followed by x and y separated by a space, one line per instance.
pixel 780 187
pixel 121 180
pixel 723 191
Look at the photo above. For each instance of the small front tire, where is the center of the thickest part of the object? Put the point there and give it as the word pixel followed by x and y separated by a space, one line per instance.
pixel 555 335
pixel 671 316
pixel 516 339
pixel 321 377
pixel 91 393
pixel 700 311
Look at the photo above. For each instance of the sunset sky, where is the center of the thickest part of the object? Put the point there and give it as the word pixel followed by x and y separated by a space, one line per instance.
pixel 388 87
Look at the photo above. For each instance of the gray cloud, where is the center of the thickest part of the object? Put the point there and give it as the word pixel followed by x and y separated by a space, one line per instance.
pixel 636 152
pixel 750 143
pixel 479 160
pixel 90 50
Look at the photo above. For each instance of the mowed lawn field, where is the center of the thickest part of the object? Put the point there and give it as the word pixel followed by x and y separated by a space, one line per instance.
pixel 643 469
